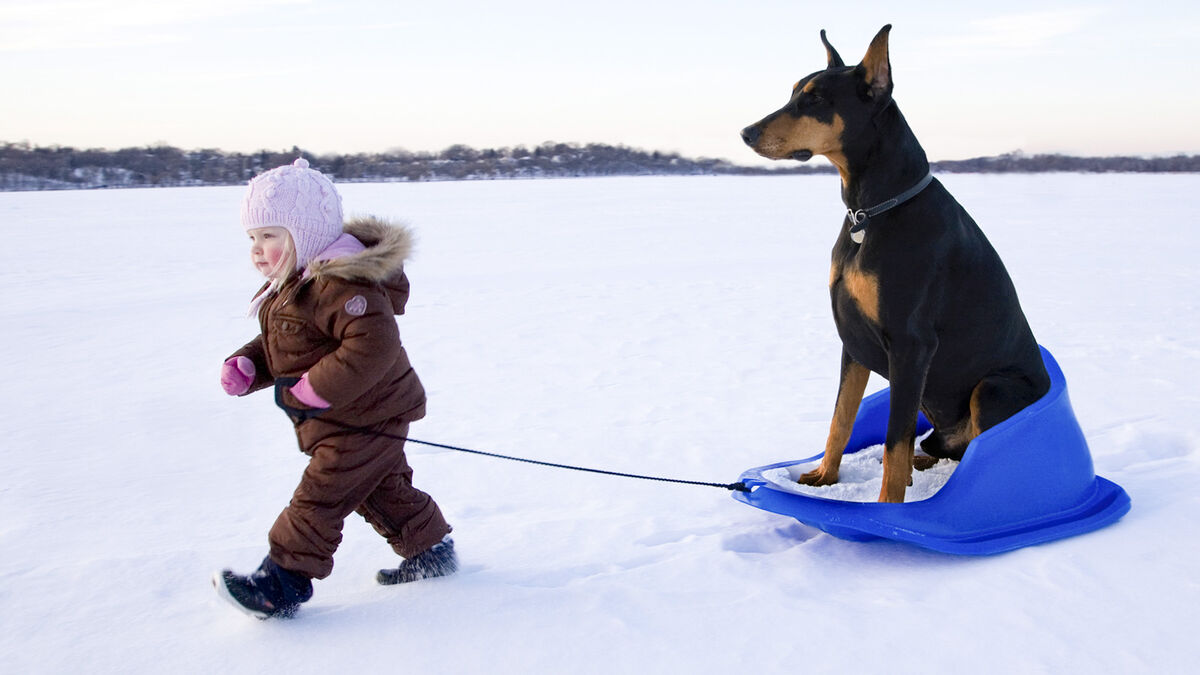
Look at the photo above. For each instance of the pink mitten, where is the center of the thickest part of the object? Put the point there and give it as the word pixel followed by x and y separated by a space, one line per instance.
pixel 237 375
pixel 304 393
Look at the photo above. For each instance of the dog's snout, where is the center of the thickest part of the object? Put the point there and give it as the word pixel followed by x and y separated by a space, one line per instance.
pixel 751 134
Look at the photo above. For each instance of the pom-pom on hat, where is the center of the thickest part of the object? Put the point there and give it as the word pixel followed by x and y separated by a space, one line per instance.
pixel 299 199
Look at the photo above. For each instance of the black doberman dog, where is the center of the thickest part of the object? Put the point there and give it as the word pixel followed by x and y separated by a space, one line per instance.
pixel 919 294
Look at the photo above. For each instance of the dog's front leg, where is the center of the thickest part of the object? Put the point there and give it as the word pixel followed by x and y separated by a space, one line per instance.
pixel 850 393
pixel 908 364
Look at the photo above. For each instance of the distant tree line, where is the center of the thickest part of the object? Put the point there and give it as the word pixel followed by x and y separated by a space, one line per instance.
pixel 26 167
pixel 1016 162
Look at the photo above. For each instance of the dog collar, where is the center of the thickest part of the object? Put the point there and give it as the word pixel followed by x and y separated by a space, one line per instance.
pixel 858 218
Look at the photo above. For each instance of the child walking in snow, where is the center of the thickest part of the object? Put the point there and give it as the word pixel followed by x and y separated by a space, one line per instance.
pixel 330 346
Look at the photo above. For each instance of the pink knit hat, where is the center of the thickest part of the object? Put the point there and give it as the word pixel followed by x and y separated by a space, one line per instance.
pixel 300 200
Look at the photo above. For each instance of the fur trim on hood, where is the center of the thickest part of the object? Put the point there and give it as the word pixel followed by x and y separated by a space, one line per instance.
pixel 388 246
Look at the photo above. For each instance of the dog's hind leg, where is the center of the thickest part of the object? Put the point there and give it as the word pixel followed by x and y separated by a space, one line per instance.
pixel 940 445
pixel 998 397
pixel 850 393
pixel 994 399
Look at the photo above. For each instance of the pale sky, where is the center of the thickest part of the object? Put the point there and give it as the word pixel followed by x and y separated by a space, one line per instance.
pixel 1099 77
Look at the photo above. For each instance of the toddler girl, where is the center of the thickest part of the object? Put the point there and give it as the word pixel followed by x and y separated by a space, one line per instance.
pixel 330 346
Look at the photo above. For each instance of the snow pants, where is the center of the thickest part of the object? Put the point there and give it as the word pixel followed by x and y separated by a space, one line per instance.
pixel 351 471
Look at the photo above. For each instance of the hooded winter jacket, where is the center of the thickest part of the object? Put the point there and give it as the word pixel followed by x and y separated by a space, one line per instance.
pixel 337 323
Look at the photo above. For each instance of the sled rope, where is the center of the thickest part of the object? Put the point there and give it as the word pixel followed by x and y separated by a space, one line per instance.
pixel 299 415
pixel 738 486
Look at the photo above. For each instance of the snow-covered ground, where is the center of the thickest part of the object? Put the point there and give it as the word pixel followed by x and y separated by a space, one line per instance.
pixel 672 326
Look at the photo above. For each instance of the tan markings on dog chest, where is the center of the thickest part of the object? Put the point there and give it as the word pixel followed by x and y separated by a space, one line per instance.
pixel 864 288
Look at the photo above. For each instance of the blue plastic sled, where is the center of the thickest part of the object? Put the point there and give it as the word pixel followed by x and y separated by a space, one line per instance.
pixel 1025 481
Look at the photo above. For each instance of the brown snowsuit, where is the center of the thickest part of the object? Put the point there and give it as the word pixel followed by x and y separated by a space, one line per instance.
pixel 338 325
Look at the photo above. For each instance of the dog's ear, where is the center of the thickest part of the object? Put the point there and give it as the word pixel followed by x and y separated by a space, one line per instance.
pixel 835 59
pixel 877 68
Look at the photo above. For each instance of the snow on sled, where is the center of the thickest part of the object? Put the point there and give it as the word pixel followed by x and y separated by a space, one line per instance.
pixel 1025 481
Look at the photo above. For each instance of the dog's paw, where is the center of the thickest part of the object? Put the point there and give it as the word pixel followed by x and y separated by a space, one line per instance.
pixel 818 478
pixel 923 462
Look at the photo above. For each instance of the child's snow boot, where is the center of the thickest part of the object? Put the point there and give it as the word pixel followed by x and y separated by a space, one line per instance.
pixel 438 561
pixel 271 591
